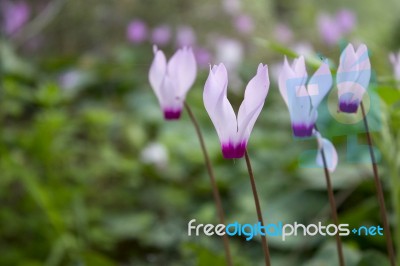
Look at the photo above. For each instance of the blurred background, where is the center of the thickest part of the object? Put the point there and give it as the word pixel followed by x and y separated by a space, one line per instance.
pixel 91 174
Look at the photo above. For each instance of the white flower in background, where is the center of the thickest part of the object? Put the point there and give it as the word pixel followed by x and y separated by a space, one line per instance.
pixel 232 7
pixel 156 154
pixel 395 60
pixel 230 52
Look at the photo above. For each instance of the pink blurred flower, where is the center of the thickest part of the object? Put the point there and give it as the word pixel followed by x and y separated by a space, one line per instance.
pixel 283 33
pixel 136 31
pixel 15 15
pixel 334 28
pixel 161 35
pixel 185 36
pixel 203 57
pixel 346 20
pixel 244 24
pixel 329 29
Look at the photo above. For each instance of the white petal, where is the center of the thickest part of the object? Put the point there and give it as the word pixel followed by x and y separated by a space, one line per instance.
pixel 364 66
pixel 348 70
pixel 170 101
pixel 182 69
pixel 157 72
pixel 254 97
pixel 330 153
pixel 319 84
pixel 217 105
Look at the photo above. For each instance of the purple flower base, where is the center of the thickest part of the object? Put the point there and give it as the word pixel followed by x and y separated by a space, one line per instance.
pixel 172 114
pixel 347 107
pixel 301 130
pixel 232 151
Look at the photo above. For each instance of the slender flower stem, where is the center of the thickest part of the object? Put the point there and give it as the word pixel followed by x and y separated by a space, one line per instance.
pixel 333 208
pixel 214 186
pixel 379 190
pixel 258 208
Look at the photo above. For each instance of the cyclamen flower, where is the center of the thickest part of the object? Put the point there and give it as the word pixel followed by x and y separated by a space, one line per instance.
pixel 395 60
pixel 161 35
pixel 303 100
pixel 15 16
pixel 136 31
pixel 334 28
pixel 171 81
pixel 234 132
pixel 353 77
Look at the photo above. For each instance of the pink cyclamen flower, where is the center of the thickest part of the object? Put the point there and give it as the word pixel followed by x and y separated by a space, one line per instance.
pixel 136 31
pixel 353 77
pixel 395 60
pixel 234 132
pixel 203 57
pixel 334 28
pixel 161 35
pixel 185 36
pixel 244 24
pixel 329 29
pixel 172 80
pixel 346 20
pixel 15 16
pixel 303 100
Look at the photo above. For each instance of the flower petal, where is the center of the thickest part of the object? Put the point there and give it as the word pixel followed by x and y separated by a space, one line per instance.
pixel 364 66
pixel 157 72
pixel 217 105
pixel 348 70
pixel 182 69
pixel 319 84
pixel 254 97
pixel 331 156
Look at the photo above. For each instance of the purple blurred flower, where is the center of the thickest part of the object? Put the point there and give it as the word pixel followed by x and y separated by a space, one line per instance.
pixel 329 29
pixel 395 60
pixel 136 31
pixel 203 57
pixel 15 15
pixel 185 36
pixel 332 29
pixel 283 33
pixel 244 24
pixel 346 20
pixel 161 35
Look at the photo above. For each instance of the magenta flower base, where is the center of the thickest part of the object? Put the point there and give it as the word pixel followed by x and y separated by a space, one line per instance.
pixel 348 107
pixel 301 130
pixel 172 114
pixel 233 151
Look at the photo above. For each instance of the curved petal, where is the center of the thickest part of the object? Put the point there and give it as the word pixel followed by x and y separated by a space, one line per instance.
pixel 170 103
pixel 157 72
pixel 292 79
pixel 348 70
pixel 299 66
pixel 182 69
pixel 254 97
pixel 217 105
pixel 286 73
pixel 319 84
pixel 364 66
pixel 331 156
